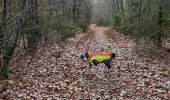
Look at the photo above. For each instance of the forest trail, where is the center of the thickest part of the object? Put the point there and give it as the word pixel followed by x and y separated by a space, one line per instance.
pixel 58 73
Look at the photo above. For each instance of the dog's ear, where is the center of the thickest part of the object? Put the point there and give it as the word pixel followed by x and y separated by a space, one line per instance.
pixel 113 55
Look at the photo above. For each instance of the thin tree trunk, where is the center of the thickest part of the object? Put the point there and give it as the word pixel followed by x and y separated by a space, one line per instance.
pixel 3 26
pixel 74 11
pixel 2 34
pixel 33 35
pixel 160 31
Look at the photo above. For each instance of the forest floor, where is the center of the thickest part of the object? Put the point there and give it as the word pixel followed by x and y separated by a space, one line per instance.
pixel 57 73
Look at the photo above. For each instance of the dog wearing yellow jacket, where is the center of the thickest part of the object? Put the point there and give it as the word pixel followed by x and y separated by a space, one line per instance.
pixel 95 59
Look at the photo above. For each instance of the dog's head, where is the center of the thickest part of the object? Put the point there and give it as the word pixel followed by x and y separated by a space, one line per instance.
pixel 84 57
pixel 113 56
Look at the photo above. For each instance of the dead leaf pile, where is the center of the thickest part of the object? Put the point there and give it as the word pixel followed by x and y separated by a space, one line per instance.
pixel 54 73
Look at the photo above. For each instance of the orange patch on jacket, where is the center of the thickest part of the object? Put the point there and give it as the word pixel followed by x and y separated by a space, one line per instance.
pixel 92 55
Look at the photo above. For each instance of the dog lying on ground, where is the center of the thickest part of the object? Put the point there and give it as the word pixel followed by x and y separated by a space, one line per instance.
pixel 95 59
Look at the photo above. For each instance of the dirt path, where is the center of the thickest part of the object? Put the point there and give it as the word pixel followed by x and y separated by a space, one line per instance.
pixel 68 78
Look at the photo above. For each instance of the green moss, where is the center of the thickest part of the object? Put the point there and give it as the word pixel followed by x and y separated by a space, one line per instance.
pixel 5 72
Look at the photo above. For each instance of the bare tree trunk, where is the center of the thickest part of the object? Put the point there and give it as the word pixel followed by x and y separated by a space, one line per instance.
pixel 63 7
pixel 8 55
pixel 50 9
pixel 9 50
pixel 4 14
pixel 19 24
pixel 160 31
pixel 33 35
pixel 3 26
pixel 74 11
pixel 2 34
